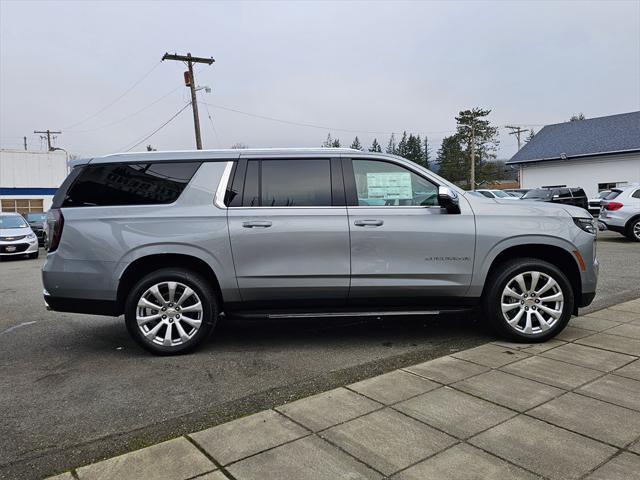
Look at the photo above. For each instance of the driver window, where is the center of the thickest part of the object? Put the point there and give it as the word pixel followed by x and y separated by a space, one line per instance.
pixel 384 184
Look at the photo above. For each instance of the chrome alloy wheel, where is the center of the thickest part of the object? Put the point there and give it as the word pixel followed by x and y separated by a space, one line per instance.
pixel 532 302
pixel 169 313
pixel 636 230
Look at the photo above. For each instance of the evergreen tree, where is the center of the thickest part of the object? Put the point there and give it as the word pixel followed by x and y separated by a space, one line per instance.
pixel 356 144
pixel 427 153
pixel 575 118
pixel 401 150
pixel 375 146
pixel 328 143
pixel 391 146
pixel 451 160
pixel 336 143
pixel 473 126
pixel 414 151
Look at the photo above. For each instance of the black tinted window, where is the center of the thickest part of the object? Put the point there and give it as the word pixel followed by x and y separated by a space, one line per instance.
pixel 295 183
pixel 563 192
pixel 251 197
pixel 613 194
pixel 130 184
pixel 636 194
pixel 486 194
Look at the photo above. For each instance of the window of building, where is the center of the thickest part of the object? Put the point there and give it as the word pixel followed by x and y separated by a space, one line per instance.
pixel 22 205
pixel 130 184
pixel 386 184
pixel 610 185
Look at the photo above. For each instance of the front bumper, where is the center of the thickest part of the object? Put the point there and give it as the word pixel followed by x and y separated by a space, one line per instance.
pixel 18 247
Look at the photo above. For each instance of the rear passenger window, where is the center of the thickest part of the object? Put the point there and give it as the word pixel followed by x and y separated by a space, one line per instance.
pixel 636 194
pixel 292 183
pixel 564 193
pixel 130 184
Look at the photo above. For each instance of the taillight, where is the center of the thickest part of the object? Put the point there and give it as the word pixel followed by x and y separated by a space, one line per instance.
pixel 613 206
pixel 56 223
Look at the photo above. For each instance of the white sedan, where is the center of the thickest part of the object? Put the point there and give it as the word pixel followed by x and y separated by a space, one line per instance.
pixel 496 194
pixel 16 236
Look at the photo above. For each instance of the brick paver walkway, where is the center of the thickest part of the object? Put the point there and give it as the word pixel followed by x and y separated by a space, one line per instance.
pixel 565 409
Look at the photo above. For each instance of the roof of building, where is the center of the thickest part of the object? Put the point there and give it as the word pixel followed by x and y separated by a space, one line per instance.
pixel 583 138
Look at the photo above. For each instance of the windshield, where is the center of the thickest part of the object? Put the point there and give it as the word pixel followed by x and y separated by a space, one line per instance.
pixel 541 193
pixel 603 194
pixel 11 221
pixel 36 217
pixel 501 194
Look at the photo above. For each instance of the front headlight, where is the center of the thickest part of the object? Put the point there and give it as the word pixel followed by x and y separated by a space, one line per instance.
pixel 31 236
pixel 586 224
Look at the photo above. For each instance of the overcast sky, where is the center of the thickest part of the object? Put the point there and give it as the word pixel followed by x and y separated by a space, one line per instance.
pixel 359 66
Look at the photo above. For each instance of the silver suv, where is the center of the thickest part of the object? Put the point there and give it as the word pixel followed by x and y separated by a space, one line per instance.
pixel 620 212
pixel 173 239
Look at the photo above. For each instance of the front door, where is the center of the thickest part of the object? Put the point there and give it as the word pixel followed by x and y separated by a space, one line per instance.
pixel 289 232
pixel 405 249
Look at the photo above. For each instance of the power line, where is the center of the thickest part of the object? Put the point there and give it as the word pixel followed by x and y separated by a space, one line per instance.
pixel 130 115
pixel 309 125
pixel 156 130
pixel 213 127
pixel 117 98
pixel 517 131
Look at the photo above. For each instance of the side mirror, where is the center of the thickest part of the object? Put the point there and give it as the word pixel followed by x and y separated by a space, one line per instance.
pixel 448 199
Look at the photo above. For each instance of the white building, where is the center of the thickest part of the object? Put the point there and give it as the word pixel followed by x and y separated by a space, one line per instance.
pixel 595 154
pixel 28 180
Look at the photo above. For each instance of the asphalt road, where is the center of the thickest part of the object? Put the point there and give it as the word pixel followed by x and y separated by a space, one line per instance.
pixel 74 388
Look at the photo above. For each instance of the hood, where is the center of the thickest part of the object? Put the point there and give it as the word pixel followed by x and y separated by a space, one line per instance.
pixel 14 232
pixel 492 206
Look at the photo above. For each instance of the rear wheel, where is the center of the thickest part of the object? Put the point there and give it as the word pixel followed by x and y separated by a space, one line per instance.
pixel 171 311
pixel 528 300
pixel 633 230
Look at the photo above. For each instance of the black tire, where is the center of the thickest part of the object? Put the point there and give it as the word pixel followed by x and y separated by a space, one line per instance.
pixel 631 228
pixel 34 254
pixel 188 278
pixel 496 283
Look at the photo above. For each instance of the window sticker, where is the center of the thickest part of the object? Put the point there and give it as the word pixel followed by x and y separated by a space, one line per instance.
pixel 389 185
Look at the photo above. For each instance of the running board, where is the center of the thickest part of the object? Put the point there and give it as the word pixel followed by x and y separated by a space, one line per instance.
pixel 353 314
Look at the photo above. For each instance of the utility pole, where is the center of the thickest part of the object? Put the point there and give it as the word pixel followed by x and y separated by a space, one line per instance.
pixel 192 84
pixel 48 137
pixel 25 143
pixel 517 131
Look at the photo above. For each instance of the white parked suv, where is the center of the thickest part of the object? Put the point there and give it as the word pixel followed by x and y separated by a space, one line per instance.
pixel 16 236
pixel 620 212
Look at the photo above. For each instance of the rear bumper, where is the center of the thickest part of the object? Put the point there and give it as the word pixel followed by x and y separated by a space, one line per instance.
pixel 612 227
pixel 81 305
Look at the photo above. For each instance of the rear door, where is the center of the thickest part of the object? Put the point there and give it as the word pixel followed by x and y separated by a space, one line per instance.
pixel 289 231
pixel 405 249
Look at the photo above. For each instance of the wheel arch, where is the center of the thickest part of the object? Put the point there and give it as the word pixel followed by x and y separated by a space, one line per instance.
pixel 150 263
pixel 627 226
pixel 556 255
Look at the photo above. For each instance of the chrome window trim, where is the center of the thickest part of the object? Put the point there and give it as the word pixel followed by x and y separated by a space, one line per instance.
pixel 222 186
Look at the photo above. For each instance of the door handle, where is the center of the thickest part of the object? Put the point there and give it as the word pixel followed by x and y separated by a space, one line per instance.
pixel 368 223
pixel 256 224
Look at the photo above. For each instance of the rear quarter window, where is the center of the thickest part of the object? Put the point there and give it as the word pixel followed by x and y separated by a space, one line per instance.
pixel 129 184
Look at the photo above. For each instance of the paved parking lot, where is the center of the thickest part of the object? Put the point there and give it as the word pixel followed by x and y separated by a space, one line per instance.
pixel 74 389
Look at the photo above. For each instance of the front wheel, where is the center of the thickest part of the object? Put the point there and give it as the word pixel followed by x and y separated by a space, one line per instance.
pixel 528 300
pixel 171 311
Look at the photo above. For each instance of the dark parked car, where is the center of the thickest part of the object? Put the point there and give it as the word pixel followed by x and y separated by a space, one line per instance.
pixel 563 195
pixel 36 222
